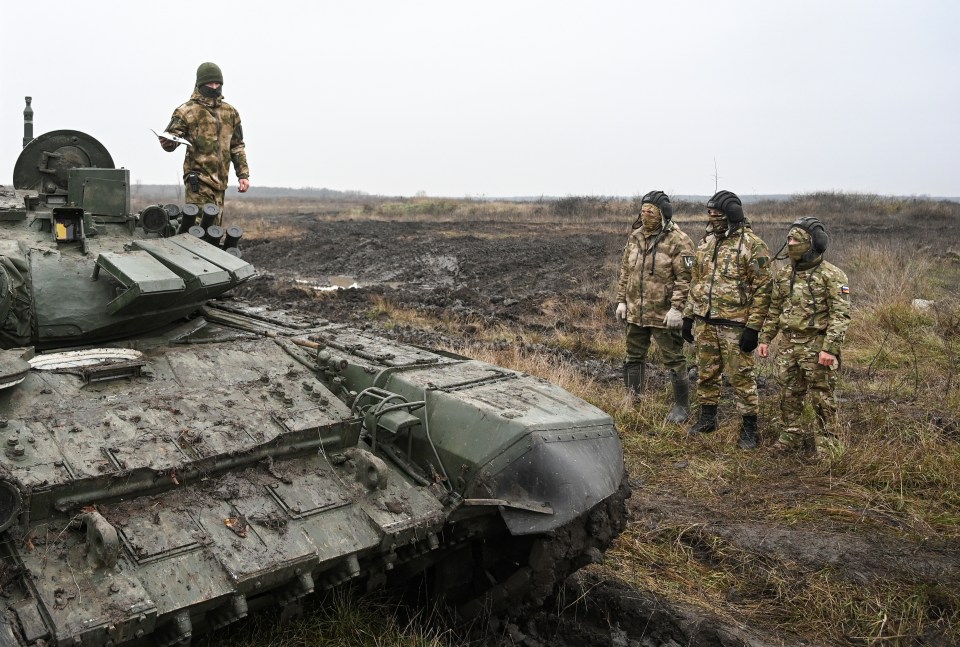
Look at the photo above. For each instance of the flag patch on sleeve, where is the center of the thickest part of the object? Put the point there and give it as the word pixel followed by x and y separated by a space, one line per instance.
pixel 844 289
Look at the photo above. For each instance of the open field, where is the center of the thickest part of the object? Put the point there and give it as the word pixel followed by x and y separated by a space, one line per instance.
pixel 725 547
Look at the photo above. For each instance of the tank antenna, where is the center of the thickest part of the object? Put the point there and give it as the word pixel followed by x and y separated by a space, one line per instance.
pixel 27 123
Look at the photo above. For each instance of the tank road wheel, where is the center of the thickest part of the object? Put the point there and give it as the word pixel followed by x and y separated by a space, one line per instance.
pixel 508 573
pixel 484 575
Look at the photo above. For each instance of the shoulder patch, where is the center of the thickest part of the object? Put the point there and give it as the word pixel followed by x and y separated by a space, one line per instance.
pixel 762 261
pixel 688 261
pixel 844 289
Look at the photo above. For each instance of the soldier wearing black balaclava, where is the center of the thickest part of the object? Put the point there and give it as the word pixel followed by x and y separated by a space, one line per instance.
pixel 729 295
pixel 212 127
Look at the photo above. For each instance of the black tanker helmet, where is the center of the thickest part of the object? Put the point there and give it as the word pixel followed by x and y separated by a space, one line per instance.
pixel 819 239
pixel 817 232
pixel 660 200
pixel 729 204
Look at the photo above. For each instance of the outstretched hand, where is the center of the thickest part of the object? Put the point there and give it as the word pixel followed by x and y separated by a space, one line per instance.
pixel 168 144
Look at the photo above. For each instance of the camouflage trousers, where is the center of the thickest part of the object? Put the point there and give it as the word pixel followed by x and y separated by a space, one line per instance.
pixel 202 197
pixel 718 352
pixel 798 372
pixel 668 340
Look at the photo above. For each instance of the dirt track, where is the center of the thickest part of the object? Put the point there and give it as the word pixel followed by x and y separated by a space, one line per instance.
pixel 498 272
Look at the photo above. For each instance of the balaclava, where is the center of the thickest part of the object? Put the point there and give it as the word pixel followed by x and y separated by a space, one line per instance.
pixel 651 221
pixel 803 241
pixel 728 203
pixel 717 224
pixel 812 241
pixel 661 202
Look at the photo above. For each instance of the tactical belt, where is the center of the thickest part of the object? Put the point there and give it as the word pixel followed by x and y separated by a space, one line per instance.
pixel 721 322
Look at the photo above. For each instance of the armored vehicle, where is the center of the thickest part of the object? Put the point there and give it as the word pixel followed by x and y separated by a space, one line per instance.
pixel 172 459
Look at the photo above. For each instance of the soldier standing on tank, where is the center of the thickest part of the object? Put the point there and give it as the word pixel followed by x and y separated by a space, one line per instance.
pixel 725 311
pixel 810 307
pixel 212 126
pixel 651 292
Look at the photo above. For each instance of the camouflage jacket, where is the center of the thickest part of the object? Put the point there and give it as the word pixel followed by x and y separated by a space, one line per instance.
pixel 654 278
pixel 213 128
pixel 811 303
pixel 730 281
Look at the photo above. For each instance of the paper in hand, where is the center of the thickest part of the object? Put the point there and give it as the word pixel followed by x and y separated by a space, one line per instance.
pixel 170 136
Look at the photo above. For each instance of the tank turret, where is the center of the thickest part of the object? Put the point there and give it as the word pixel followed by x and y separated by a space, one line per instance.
pixel 79 267
pixel 173 460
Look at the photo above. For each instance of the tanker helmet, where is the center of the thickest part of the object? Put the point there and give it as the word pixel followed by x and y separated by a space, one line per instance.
pixel 662 201
pixel 817 232
pixel 729 203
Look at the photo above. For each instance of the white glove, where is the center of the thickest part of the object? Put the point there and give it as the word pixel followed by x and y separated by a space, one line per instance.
pixel 673 319
pixel 621 311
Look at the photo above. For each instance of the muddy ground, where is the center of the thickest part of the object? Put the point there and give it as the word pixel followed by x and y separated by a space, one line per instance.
pixel 500 272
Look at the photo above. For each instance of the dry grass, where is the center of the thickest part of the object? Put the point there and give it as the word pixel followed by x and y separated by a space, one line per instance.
pixel 338 619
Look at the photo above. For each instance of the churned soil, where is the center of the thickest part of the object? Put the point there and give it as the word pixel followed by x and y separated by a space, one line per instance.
pixel 490 272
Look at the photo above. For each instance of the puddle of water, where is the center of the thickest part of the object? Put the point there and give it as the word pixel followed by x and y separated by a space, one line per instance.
pixel 341 282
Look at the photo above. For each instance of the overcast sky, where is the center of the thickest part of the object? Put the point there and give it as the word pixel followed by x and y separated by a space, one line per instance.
pixel 514 97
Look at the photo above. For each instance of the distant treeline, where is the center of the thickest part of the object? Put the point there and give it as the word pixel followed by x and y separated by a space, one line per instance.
pixel 175 193
pixel 570 203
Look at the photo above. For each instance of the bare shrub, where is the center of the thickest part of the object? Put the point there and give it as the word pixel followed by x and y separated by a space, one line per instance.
pixel 887 271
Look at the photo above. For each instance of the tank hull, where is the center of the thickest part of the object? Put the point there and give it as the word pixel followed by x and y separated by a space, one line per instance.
pixel 172 460
pixel 236 468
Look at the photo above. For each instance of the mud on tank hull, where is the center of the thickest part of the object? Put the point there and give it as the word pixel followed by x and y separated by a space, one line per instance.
pixel 259 459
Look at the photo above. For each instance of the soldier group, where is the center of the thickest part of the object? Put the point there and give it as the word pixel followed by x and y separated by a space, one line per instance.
pixel 727 300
